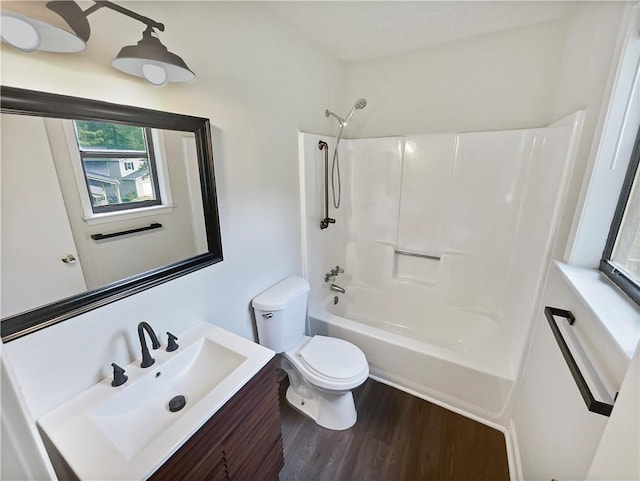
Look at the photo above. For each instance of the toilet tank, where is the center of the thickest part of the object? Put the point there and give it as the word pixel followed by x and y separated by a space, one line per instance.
pixel 281 313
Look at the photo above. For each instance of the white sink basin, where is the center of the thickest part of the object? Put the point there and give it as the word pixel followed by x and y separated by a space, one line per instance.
pixel 127 432
pixel 192 373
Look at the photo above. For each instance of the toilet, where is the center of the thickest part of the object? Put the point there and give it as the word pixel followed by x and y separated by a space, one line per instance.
pixel 322 370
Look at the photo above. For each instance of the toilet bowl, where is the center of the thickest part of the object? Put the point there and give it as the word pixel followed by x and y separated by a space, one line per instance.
pixel 322 370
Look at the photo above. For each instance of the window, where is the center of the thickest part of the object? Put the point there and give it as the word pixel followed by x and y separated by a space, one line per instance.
pixel 621 257
pixel 118 164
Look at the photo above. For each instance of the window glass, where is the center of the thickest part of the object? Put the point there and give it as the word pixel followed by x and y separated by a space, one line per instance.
pixel 108 136
pixel 626 249
pixel 118 164
pixel 621 257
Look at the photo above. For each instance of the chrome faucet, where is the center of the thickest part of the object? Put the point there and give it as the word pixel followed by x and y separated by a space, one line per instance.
pixel 337 288
pixel 147 360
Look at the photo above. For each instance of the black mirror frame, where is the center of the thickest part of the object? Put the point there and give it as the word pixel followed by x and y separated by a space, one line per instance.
pixel 28 102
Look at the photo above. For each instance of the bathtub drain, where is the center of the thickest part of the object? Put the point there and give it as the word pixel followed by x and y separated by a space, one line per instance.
pixel 335 300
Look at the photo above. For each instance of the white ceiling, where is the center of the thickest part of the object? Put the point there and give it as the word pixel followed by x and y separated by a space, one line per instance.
pixel 355 31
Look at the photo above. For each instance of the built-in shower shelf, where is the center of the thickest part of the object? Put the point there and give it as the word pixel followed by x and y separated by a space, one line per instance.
pixel 416 268
pixel 417 254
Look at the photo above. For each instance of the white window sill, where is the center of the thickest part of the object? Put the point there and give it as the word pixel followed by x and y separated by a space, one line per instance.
pixel 96 219
pixel 618 314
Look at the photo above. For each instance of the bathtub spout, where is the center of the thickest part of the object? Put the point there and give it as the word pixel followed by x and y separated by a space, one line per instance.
pixel 337 288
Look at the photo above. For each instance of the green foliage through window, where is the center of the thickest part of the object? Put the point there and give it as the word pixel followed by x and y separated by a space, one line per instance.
pixel 118 165
pixel 107 136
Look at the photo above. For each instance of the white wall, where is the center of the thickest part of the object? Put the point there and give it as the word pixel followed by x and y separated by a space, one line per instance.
pixel 20 457
pixel 586 77
pixel 498 81
pixel 258 81
pixel 618 454
pixel 557 437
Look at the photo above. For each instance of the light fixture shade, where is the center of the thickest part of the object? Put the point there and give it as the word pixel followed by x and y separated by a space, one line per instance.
pixel 60 26
pixel 150 52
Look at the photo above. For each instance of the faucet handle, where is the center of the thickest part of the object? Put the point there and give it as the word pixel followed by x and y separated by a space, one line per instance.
pixel 119 377
pixel 172 345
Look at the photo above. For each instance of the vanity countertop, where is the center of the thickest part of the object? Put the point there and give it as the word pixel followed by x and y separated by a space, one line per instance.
pixel 127 432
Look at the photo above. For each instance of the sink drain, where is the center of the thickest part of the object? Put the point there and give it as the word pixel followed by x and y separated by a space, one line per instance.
pixel 177 403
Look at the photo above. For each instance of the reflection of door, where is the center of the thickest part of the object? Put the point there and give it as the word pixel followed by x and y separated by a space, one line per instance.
pixel 195 194
pixel 35 230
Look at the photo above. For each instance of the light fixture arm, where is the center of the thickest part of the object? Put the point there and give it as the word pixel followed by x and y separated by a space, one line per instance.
pixel 125 11
pixel 91 9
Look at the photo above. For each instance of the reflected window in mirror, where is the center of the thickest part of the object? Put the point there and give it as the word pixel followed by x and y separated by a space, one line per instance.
pixel 118 166
pixel 62 258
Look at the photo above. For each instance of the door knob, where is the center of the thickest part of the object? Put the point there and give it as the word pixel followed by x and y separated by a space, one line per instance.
pixel 68 259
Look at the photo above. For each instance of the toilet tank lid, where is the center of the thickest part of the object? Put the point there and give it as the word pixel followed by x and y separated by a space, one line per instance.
pixel 278 297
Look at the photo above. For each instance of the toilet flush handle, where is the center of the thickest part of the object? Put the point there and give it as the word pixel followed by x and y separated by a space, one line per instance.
pixel 267 315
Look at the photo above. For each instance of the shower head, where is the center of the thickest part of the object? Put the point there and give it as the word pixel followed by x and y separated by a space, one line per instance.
pixel 360 104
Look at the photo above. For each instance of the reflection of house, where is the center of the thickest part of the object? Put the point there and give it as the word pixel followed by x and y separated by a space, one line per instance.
pixel 142 179
pixel 114 181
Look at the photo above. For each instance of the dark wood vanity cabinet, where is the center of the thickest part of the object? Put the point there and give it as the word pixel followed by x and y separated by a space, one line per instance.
pixel 242 441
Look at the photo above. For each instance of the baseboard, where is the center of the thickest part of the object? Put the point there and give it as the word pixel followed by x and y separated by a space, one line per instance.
pixel 513 452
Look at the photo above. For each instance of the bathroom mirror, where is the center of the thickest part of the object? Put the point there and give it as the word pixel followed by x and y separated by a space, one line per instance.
pixel 99 201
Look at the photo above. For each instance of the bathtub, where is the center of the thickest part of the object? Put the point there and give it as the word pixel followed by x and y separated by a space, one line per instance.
pixel 453 357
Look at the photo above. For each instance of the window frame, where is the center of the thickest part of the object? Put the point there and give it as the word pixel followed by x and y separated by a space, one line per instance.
pixel 149 153
pixel 608 268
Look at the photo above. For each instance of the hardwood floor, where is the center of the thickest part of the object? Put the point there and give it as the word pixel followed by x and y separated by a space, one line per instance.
pixel 397 437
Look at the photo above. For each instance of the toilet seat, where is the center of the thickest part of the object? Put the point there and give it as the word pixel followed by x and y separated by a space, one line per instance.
pixel 330 363
pixel 333 358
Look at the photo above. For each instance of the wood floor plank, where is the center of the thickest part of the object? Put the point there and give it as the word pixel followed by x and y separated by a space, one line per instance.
pixel 397 437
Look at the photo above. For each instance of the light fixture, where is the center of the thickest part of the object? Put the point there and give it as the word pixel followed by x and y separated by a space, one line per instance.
pixel 151 60
pixel 19 33
pixel 57 27
pixel 62 26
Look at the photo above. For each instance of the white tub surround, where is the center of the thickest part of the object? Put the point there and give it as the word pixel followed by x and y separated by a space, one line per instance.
pixel 445 240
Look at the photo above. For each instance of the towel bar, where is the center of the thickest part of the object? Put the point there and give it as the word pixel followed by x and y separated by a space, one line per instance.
pixel 592 403
pixel 155 225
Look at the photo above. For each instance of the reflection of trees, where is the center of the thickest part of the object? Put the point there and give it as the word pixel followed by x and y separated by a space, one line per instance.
pixel 110 136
